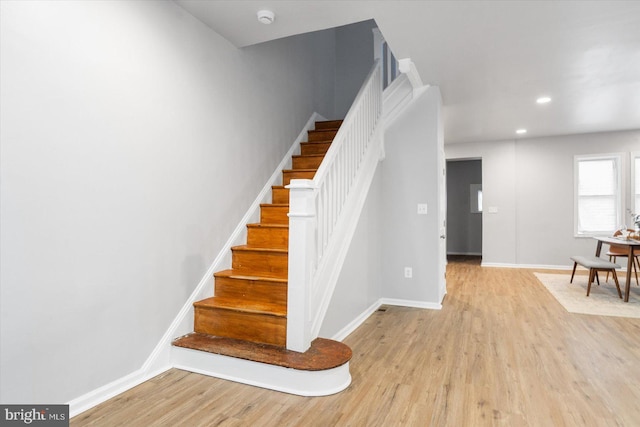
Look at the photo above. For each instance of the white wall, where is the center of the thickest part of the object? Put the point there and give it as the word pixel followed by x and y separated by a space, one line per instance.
pixel 390 235
pixel 410 176
pixel 530 181
pixel 133 140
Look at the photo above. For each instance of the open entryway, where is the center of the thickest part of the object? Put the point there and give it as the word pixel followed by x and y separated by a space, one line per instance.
pixel 464 208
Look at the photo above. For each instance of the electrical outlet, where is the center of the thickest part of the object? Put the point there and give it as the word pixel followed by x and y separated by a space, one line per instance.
pixel 408 272
pixel 422 208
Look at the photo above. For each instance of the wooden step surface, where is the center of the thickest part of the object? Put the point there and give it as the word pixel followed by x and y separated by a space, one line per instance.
pixel 289 174
pixel 241 305
pixel 310 161
pixel 323 354
pixel 272 213
pixel 261 322
pixel 279 195
pixel 268 235
pixel 267 262
pixel 321 135
pixel 314 147
pixel 328 124
pixel 250 288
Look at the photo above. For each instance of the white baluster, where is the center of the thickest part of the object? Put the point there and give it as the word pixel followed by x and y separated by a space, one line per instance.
pixel 316 207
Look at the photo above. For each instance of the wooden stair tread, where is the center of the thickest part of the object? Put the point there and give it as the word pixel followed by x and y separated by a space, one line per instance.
pixel 275 205
pixel 242 305
pixel 323 353
pixel 261 225
pixel 307 155
pixel 328 124
pixel 299 170
pixel 244 276
pixel 255 248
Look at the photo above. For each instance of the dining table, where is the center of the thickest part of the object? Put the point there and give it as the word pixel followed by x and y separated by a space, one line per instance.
pixel 633 248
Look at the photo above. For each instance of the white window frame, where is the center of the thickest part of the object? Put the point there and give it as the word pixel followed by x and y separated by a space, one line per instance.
pixel 620 214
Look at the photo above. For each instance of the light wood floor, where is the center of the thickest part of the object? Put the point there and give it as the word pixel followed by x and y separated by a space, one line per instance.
pixel 502 351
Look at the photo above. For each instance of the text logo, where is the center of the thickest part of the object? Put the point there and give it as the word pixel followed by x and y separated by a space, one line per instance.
pixel 34 415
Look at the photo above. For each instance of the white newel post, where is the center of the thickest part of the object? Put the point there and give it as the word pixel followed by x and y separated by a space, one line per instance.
pixel 302 248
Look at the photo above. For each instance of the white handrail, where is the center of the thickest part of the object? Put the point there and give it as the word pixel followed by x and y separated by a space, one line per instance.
pixel 316 213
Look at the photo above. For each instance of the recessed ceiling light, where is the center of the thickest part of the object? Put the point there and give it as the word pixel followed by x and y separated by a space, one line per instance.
pixel 266 16
pixel 521 131
pixel 543 100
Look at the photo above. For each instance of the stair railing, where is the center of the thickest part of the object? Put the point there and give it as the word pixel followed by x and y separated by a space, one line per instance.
pixel 319 210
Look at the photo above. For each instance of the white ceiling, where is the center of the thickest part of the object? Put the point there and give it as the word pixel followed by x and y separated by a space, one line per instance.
pixel 491 59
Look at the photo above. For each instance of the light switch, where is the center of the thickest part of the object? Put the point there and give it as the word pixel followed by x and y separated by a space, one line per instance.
pixel 492 209
pixel 422 209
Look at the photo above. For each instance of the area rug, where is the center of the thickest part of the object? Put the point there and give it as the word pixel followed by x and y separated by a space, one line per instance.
pixel 603 300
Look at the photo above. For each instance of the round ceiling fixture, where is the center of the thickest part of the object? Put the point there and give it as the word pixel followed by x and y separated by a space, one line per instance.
pixel 543 100
pixel 266 16
pixel 521 131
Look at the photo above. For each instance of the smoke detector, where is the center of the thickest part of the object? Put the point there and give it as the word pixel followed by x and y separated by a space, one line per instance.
pixel 266 16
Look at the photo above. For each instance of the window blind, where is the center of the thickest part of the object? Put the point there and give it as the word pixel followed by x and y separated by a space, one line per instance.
pixel 598 195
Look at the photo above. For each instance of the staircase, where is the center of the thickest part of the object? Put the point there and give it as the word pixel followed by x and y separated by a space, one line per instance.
pixel 247 317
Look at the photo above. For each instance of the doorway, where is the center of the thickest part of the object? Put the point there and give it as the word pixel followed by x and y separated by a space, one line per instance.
pixel 464 208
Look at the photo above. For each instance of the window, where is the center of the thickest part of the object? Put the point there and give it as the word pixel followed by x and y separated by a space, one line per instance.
pixel 598 194
pixel 475 198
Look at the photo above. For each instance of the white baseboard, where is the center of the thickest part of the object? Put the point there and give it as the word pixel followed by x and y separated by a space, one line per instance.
pixel 530 266
pixel 412 303
pixel 355 323
pixel 114 388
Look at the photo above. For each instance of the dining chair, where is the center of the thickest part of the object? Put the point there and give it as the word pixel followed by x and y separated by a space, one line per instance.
pixel 616 251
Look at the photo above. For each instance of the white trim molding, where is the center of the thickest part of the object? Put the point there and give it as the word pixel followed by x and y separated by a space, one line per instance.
pixel 411 303
pixel 526 266
pixel 287 380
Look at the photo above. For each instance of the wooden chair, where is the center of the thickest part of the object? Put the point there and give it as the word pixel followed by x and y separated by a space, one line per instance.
pixel 616 251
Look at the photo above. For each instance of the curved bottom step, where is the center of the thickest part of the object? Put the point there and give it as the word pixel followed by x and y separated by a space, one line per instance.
pixel 321 371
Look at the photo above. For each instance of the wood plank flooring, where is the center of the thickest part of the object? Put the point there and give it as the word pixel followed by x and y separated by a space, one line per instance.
pixel 501 352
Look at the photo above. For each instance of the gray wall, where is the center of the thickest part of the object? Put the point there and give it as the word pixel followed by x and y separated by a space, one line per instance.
pixel 530 182
pixel 354 59
pixel 123 126
pixel 464 228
